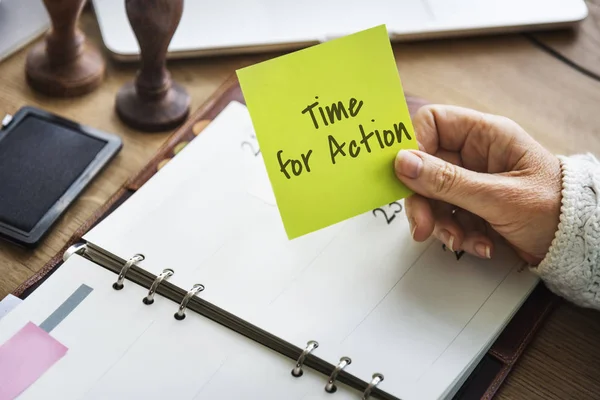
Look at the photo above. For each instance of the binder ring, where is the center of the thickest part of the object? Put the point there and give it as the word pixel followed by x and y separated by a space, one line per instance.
pixel 310 346
pixel 118 285
pixel 197 288
pixel 149 299
pixel 377 378
pixel 78 248
pixel 344 362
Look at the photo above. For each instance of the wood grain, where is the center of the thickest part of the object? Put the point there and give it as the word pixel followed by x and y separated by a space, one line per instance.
pixel 563 362
pixel 505 75
pixel 580 46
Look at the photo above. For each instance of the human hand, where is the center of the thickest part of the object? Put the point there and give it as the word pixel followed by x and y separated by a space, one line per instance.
pixel 476 175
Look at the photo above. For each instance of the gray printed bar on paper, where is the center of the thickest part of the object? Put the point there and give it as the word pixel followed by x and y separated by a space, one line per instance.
pixel 66 308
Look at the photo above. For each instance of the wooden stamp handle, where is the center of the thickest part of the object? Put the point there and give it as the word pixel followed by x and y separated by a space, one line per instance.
pixel 154 23
pixel 64 64
pixel 64 41
pixel 153 102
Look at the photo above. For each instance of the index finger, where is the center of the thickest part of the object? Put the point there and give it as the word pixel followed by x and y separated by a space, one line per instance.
pixel 451 128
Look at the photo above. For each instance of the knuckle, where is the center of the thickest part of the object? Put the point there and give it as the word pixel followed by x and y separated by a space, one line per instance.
pixel 478 126
pixel 507 122
pixel 488 125
pixel 446 179
pixel 424 122
pixel 507 126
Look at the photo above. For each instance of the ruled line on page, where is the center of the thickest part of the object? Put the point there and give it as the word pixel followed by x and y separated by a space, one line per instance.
pixel 465 326
pixel 93 386
pixel 386 295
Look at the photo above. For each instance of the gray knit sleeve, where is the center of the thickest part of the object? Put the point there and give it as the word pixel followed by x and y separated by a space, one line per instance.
pixel 571 267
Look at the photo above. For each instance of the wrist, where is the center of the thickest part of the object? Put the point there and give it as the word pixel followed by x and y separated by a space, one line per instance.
pixel 571 258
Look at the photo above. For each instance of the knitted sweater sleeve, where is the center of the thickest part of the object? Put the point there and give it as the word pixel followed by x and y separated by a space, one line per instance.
pixel 571 268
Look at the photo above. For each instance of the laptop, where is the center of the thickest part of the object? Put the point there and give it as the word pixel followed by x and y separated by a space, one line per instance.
pixel 216 27
pixel 21 21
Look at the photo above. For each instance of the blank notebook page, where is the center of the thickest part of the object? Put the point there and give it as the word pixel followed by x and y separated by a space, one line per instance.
pixel 361 288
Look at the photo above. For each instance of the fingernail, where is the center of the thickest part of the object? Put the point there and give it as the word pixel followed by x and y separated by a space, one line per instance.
pixel 413 227
pixel 447 238
pixel 408 164
pixel 483 250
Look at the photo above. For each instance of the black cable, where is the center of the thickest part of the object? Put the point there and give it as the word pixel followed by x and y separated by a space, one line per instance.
pixel 562 58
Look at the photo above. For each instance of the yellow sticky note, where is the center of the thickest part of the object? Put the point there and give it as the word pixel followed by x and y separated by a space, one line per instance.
pixel 329 120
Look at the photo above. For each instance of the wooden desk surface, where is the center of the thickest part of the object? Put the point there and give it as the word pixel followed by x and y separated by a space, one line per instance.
pixel 506 75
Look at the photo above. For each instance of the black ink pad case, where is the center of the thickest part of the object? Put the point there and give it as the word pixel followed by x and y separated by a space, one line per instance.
pixel 45 163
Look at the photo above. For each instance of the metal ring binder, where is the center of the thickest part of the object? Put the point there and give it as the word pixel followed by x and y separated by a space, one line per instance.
pixel 310 346
pixel 330 386
pixel 78 248
pixel 197 288
pixel 118 285
pixel 377 378
pixel 149 299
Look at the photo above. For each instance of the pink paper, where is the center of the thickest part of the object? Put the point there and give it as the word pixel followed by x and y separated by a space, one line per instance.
pixel 25 357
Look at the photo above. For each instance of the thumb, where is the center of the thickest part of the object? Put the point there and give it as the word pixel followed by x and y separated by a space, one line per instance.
pixel 437 179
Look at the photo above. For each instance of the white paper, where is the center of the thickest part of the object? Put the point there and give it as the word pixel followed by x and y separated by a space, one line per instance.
pixel 120 348
pixel 8 304
pixel 362 288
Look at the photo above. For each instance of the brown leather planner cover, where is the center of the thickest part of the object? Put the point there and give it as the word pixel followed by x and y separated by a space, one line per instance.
pixel 491 371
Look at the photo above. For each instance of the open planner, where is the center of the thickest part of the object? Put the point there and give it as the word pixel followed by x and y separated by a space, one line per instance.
pixel 193 291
